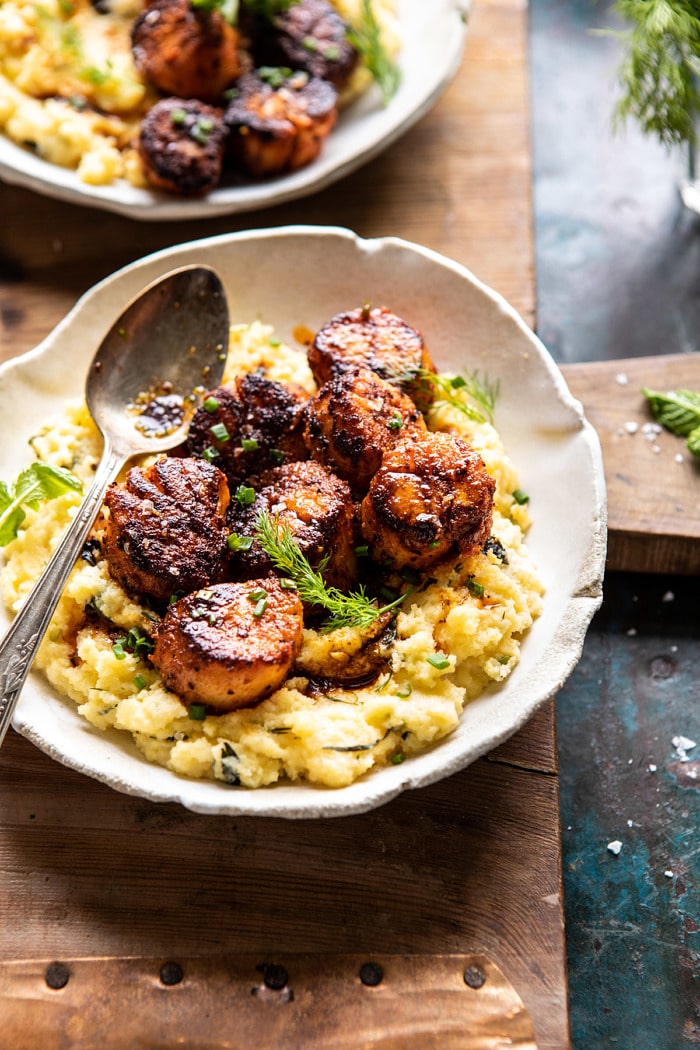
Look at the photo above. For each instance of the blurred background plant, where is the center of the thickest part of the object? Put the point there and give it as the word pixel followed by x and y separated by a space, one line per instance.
pixel 660 72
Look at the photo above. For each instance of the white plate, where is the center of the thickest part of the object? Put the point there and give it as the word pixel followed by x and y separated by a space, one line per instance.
pixel 302 276
pixel 433 35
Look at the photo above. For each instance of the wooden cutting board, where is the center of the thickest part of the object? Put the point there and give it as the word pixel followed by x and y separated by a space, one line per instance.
pixel 652 479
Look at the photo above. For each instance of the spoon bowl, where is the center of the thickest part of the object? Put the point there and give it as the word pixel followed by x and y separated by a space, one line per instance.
pixel 147 378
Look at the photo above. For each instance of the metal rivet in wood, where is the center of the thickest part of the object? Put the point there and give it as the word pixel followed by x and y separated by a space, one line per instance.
pixel 57 975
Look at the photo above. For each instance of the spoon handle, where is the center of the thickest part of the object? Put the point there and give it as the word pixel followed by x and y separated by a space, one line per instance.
pixel 18 647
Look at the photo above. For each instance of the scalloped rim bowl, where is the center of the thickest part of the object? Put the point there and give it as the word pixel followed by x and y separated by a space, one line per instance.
pixel 298 275
pixel 433 36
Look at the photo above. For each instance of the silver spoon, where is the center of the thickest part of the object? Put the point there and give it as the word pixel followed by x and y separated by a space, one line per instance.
pixel 174 333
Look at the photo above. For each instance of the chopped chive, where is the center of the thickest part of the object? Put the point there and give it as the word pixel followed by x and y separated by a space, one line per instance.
pixel 396 422
pixel 140 682
pixel 520 497
pixel 438 661
pixel 249 444
pixel 210 404
pixel 383 685
pixel 197 712
pixel 274 341
pixel 220 432
pixel 331 54
pixel 410 575
pixel 245 495
pixel 398 758
pixel 503 658
pixel 388 593
pixel 210 454
pixel 309 44
pixel 178 117
pixel 433 544
pixel 405 691
pixel 257 595
pixel 260 608
pixel 277 456
pixel 119 650
pixel 287 584
pixel 475 588
pixel 239 543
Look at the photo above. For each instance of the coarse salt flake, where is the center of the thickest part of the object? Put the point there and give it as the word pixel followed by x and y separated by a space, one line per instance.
pixel 621 379
pixel 668 873
pixel 669 596
pixel 631 427
pixel 615 846
pixel 679 458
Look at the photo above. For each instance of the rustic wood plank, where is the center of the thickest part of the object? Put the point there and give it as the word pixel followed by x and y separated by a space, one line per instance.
pixel 470 864
pixel 653 482
pixel 471 861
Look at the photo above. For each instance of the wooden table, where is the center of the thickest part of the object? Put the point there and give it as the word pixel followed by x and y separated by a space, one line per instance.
pixel 471 864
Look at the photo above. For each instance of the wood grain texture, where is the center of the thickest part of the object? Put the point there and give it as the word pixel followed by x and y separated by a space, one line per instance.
pixel 470 864
pixel 653 482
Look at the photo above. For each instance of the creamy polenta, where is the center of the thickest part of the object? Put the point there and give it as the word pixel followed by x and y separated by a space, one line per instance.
pixel 458 632
pixel 70 92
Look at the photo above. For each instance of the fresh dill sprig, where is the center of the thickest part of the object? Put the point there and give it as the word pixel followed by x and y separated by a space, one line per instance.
pixel 660 69
pixel 366 38
pixel 346 610
pixel 470 394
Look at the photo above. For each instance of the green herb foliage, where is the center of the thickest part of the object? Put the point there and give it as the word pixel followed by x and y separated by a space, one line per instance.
pixel 346 610
pixel 679 412
pixel 470 394
pixel 659 70
pixel 228 9
pixel 35 485
pixel 366 39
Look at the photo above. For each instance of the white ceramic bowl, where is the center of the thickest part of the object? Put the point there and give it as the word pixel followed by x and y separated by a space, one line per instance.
pixel 302 276
pixel 433 34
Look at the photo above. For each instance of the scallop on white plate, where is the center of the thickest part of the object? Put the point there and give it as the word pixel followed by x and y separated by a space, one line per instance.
pixel 432 43
pixel 301 276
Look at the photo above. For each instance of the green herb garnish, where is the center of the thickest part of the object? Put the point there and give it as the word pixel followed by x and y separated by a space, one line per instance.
pixel 679 412
pixel 228 9
pixel 346 610
pixel 37 484
pixel 473 396
pixel 366 39
pixel 438 661
pixel 239 543
pixel 220 432
pixel 520 497
pixel 660 69
pixel 210 404
pixel 197 712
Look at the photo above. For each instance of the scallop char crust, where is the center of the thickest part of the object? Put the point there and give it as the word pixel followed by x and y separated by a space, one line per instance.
pixel 166 530
pixel 430 500
pixel 229 645
pixel 316 507
pixel 280 128
pixel 181 145
pixel 249 426
pixel 353 419
pixel 311 35
pixel 376 339
pixel 186 50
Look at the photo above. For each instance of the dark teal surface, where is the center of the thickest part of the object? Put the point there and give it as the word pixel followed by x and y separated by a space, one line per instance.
pixel 618 275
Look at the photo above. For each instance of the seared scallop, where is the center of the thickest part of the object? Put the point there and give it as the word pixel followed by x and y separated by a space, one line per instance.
pixel 353 419
pixel 316 507
pixel 186 50
pixel 280 124
pixel 377 339
pixel 181 146
pixel 430 500
pixel 249 426
pixel 309 35
pixel 166 531
pixel 229 645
